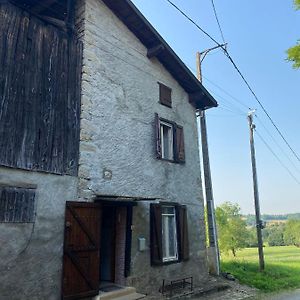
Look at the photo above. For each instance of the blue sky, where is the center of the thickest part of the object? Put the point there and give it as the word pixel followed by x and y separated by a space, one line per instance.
pixel 258 34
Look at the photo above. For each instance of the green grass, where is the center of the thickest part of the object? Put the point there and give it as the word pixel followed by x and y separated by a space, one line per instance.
pixel 282 268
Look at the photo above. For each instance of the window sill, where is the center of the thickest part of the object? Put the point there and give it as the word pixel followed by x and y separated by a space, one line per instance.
pixel 172 161
pixel 170 262
pixel 165 104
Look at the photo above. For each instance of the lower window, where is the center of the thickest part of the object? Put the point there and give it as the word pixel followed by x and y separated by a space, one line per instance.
pixel 169 233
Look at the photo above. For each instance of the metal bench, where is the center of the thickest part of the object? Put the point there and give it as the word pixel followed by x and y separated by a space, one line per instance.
pixel 182 286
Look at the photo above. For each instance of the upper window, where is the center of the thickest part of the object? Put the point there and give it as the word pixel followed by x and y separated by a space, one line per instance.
pixel 169 140
pixel 166 133
pixel 165 95
pixel 169 233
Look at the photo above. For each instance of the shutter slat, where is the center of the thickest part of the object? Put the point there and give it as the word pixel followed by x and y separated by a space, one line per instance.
pixel 158 137
pixel 155 234
pixel 183 233
pixel 179 144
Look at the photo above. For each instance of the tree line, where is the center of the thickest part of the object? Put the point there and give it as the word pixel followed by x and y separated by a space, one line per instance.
pixel 234 233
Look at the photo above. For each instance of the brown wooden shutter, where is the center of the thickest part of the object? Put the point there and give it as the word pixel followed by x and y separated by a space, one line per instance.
pixel 81 250
pixel 157 137
pixel 165 95
pixel 179 144
pixel 155 234
pixel 182 229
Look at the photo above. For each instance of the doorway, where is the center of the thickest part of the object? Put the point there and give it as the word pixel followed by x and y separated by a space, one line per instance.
pixel 108 244
pixel 114 244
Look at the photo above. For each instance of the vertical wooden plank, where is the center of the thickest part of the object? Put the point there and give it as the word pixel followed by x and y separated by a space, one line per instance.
pixel 128 241
pixel 18 85
pixel 2 204
pixel 8 97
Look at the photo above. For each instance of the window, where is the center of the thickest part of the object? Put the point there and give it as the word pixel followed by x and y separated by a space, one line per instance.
pixel 165 95
pixel 16 205
pixel 168 233
pixel 166 133
pixel 169 140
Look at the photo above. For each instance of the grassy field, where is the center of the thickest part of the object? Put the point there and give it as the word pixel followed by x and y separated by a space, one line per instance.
pixel 282 268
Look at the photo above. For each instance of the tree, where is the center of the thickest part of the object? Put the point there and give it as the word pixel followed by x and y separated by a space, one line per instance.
pixel 294 52
pixel 275 235
pixel 292 233
pixel 232 230
pixel 252 238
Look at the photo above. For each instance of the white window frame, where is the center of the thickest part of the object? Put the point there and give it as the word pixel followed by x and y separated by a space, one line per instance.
pixel 170 139
pixel 165 238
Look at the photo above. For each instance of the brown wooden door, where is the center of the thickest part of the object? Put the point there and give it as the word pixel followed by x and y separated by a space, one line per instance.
pixel 81 250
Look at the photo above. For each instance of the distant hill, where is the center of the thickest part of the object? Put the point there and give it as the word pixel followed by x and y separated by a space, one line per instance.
pixel 250 219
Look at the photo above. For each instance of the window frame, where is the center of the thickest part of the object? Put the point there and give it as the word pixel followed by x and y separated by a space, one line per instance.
pixel 177 140
pixel 165 123
pixel 156 234
pixel 166 238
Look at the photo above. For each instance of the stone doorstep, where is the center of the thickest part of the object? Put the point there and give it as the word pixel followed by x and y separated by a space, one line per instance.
pixel 127 293
pixel 211 288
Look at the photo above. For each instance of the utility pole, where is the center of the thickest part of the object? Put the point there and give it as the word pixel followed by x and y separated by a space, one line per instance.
pixel 213 250
pixel 259 225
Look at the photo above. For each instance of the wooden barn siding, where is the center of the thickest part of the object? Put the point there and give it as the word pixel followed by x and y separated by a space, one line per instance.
pixel 40 75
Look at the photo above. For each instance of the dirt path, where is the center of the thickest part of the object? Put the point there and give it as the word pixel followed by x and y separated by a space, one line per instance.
pixel 295 295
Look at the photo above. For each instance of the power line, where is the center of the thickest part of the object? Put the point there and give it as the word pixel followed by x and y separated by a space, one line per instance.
pixel 192 21
pixel 261 105
pixel 227 93
pixel 241 75
pixel 230 110
pixel 217 19
pixel 274 140
pixel 217 96
pixel 279 160
pixel 224 91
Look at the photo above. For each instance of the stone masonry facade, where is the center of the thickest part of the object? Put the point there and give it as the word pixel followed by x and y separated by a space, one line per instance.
pixel 120 96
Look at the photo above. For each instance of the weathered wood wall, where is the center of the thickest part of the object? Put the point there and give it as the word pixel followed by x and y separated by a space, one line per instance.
pixel 40 75
pixel 16 204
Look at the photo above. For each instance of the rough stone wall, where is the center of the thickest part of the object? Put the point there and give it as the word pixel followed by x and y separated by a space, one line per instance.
pixel 120 95
pixel 31 253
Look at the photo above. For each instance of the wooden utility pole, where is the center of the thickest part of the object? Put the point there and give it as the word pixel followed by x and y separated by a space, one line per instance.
pixel 213 251
pixel 259 225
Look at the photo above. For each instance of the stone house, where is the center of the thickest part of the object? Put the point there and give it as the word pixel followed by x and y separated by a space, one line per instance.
pixel 99 165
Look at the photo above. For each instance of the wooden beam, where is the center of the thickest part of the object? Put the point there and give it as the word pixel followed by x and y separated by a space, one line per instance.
pixel 42 6
pixel 198 100
pixel 70 16
pixel 154 51
pixel 56 22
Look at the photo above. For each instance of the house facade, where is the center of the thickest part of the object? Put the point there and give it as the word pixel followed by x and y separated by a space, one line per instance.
pixel 99 165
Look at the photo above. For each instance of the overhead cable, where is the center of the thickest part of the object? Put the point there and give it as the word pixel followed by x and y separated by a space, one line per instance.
pixel 241 75
pixel 218 22
pixel 279 160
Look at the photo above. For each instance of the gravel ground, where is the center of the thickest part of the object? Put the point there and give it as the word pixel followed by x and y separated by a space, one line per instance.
pixel 234 292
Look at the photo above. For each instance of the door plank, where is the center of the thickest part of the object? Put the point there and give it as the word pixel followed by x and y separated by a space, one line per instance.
pixel 81 261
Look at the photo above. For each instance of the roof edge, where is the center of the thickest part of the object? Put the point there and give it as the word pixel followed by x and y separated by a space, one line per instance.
pixel 199 96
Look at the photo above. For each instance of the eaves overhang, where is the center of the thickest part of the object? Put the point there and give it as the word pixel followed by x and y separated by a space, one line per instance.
pixel 157 47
